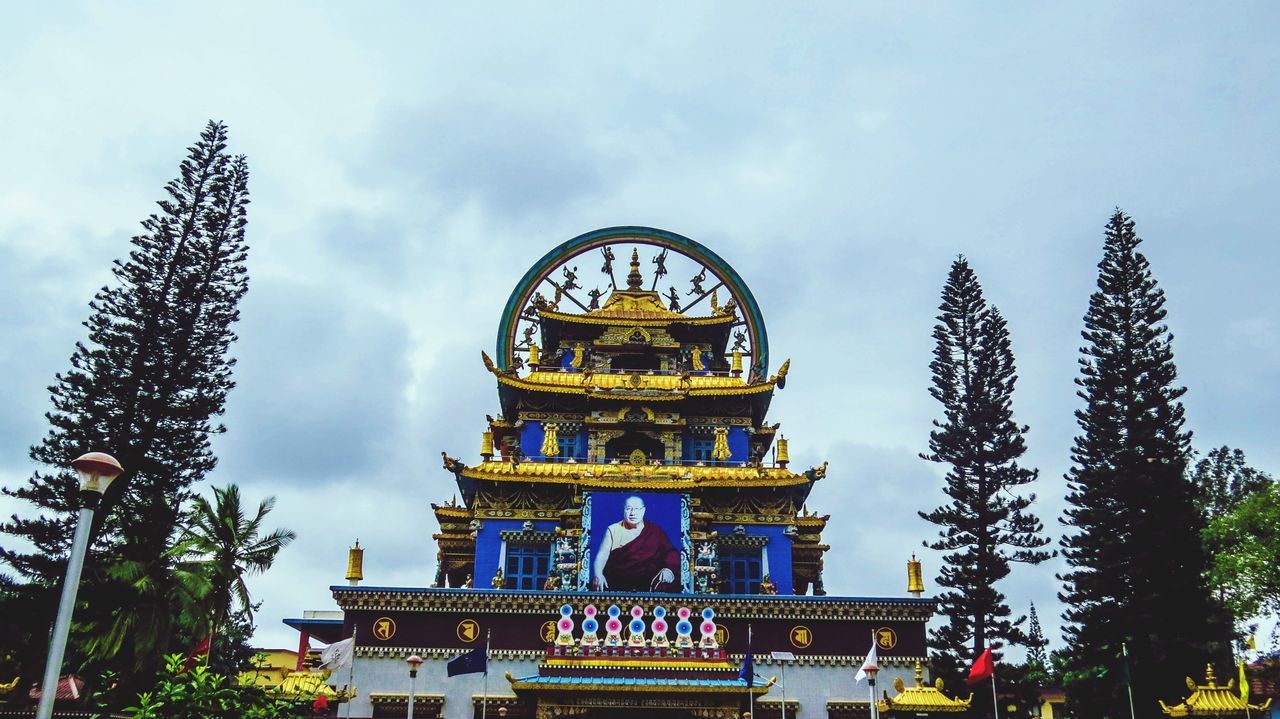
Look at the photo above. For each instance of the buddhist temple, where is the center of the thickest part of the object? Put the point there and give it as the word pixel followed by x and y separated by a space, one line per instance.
pixel 632 524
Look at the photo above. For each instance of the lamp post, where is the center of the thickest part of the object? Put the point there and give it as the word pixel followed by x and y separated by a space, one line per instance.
pixel 414 661
pixel 783 658
pixel 96 471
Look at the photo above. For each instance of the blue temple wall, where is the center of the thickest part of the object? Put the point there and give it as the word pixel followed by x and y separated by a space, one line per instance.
pixel 739 447
pixel 489 546
pixel 532 434
pixel 778 550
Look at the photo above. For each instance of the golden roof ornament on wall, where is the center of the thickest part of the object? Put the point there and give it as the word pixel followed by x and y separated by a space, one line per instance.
pixel 921 698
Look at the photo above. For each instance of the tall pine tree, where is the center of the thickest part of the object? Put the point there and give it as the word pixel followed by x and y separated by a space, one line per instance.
pixel 146 387
pixel 1137 566
pixel 986 525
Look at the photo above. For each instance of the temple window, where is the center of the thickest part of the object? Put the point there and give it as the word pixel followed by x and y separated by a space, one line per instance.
pixel 527 565
pixel 569 447
pixel 741 570
pixel 700 448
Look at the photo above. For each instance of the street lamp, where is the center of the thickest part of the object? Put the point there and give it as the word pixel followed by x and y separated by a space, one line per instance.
pixel 96 471
pixel 783 658
pixel 414 661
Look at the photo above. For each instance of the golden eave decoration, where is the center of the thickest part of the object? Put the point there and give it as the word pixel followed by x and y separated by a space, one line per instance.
pixel 635 386
pixel 1209 699
pixel 921 698
pixel 595 474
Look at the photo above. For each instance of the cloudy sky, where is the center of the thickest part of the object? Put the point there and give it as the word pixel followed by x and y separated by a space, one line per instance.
pixel 411 161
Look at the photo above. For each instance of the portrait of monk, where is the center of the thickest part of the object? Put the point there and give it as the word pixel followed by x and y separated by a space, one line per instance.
pixel 635 555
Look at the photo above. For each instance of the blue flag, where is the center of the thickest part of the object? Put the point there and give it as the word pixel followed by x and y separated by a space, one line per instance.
pixel 473 662
pixel 748 668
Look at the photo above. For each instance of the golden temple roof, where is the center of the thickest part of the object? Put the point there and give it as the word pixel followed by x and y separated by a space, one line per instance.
pixel 1210 699
pixel 595 474
pixel 921 698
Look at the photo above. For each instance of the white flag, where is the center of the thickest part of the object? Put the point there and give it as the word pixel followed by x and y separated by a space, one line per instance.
pixel 339 654
pixel 869 665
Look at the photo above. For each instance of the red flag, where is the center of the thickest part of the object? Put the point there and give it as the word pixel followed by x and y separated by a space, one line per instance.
pixel 320 705
pixel 984 668
pixel 199 650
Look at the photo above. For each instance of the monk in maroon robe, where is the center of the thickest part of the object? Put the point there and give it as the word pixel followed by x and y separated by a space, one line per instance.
pixel 635 555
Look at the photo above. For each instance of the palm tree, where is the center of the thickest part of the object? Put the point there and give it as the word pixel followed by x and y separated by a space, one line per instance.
pixel 232 546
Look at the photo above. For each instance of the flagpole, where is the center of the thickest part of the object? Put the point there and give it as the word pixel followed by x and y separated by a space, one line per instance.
pixel 351 672
pixel 871 682
pixel 1128 685
pixel 484 698
pixel 751 680
pixel 995 703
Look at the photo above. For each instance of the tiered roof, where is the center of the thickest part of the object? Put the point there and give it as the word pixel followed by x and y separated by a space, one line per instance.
pixel 921 698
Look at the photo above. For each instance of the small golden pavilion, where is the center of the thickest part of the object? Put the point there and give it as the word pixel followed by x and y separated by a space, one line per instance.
pixel 1211 700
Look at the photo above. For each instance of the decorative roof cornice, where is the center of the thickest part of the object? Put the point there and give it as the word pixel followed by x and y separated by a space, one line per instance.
pixel 501 601
pixel 637 387
pixel 588 475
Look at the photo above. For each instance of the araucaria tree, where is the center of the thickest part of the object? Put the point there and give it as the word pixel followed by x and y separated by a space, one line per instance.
pixel 1137 565
pixel 985 526
pixel 146 387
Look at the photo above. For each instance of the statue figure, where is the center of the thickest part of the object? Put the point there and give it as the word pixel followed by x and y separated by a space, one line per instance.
pixel 468 584
pixel 594 294
pixel 673 299
pixel 607 251
pixel 697 283
pixel 499 582
pixel 767 586
pixel 552 583
pixel 571 279
pixel 739 340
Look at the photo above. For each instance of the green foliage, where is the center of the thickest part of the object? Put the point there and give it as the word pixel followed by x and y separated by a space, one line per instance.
pixel 1223 479
pixel 1037 665
pixel 986 525
pixel 1138 567
pixel 1246 567
pixel 232 545
pixel 200 693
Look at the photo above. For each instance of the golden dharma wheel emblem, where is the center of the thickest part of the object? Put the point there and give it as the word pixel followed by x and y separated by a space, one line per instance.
pixel 886 638
pixel 548 631
pixel 468 630
pixel 722 635
pixel 801 637
pixel 638 458
pixel 384 628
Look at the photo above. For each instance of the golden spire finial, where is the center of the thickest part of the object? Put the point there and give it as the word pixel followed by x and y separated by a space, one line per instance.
pixel 784 456
pixel 634 279
pixel 1210 678
pixel 915 577
pixel 919 674
pixel 355 564
pixel 737 362
pixel 535 355
pixel 486 444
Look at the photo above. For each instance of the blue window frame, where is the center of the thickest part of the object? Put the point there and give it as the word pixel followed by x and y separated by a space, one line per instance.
pixel 700 448
pixel 740 571
pixel 568 447
pixel 527 566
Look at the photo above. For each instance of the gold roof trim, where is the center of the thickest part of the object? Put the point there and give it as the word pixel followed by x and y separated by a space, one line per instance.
pixel 627 475
pixel 588 684
pixel 1209 699
pixel 922 698
pixel 634 387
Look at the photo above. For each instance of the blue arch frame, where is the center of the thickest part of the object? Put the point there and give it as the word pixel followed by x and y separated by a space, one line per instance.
pixel 723 271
